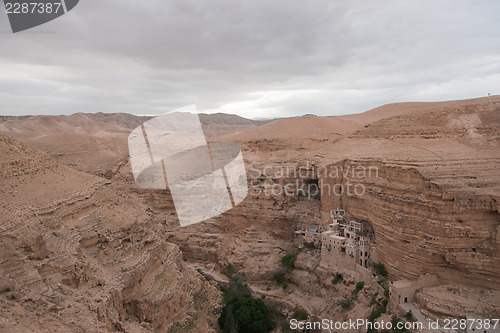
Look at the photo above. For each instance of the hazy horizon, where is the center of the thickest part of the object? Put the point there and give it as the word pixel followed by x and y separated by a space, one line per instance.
pixel 226 113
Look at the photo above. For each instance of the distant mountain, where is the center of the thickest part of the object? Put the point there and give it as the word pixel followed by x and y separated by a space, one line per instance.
pixel 323 128
pixel 95 142
pixel 222 123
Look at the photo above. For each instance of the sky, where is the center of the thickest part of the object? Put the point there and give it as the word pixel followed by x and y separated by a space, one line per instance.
pixel 254 58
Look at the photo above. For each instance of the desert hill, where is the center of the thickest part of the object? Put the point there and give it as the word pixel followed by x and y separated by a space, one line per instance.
pixel 80 255
pixel 221 123
pixel 296 129
pixel 321 128
pixel 96 142
pixel 87 142
pixel 403 108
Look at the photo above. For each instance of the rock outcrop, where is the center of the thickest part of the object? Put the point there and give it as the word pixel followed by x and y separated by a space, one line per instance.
pixel 79 255
pixel 452 301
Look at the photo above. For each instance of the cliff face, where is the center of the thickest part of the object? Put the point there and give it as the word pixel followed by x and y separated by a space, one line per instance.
pixel 421 227
pixel 424 174
pixel 453 301
pixel 435 200
pixel 80 255
pixel 253 237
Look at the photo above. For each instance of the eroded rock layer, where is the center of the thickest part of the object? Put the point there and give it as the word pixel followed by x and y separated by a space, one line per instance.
pixel 79 255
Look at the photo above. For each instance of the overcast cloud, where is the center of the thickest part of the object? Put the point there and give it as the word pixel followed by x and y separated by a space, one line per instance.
pixel 252 58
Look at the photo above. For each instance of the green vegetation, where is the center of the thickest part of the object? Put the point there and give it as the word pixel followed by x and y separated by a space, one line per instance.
pixel 337 278
pixel 243 313
pixel 230 325
pixel 376 313
pixel 346 303
pixel 250 316
pixel 385 284
pixel 380 269
pixel 299 313
pixel 229 270
pixel 358 288
pixel 278 317
pixel 409 316
pixel 285 326
pixel 236 289
pixel 380 308
pixel 208 278
pixel 289 260
pixel 310 245
pixel 279 277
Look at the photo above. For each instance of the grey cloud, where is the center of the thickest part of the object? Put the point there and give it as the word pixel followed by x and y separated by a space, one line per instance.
pixel 254 58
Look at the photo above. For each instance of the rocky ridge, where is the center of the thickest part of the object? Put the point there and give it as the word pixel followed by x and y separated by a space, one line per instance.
pixel 85 257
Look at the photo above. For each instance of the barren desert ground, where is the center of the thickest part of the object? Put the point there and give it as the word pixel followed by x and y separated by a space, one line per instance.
pixel 84 249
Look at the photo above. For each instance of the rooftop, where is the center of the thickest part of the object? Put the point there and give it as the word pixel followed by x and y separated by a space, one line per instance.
pixel 338 237
pixel 402 283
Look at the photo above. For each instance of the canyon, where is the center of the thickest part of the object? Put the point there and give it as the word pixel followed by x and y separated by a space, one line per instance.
pixel 85 249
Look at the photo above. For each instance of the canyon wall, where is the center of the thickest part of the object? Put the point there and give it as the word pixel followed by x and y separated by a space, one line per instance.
pixel 80 255
pixel 421 227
